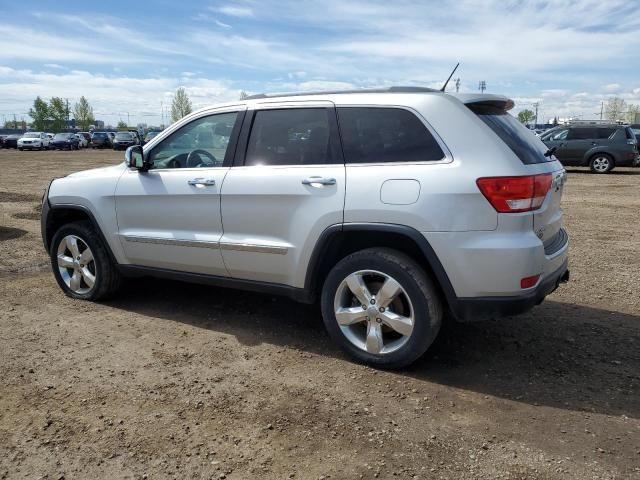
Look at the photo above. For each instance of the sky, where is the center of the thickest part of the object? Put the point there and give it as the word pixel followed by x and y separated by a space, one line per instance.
pixel 128 58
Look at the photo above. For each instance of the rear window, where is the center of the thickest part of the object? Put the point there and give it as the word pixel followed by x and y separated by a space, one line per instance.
pixel 631 133
pixel 124 136
pixel 385 135
pixel 527 147
pixel 99 135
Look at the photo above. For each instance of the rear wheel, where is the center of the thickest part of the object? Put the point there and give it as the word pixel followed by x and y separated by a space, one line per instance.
pixel 601 163
pixel 81 264
pixel 381 307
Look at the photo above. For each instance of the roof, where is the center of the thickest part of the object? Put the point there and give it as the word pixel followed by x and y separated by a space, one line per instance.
pixel 399 89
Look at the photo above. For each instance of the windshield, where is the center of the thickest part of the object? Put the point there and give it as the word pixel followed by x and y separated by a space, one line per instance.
pixel 527 147
pixel 61 136
pixel 32 135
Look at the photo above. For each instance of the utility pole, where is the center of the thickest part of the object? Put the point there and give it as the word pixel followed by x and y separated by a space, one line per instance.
pixel 67 112
pixel 457 85
pixel 128 119
pixel 162 110
pixel 482 86
pixel 601 109
pixel 537 104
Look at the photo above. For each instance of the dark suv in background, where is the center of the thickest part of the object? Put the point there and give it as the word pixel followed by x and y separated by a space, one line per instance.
pixel 100 140
pixel 600 147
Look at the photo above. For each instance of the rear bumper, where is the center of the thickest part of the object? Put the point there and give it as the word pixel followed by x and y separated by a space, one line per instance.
pixel 481 308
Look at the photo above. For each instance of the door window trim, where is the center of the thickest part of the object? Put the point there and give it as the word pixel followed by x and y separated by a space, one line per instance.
pixel 231 147
pixel 247 127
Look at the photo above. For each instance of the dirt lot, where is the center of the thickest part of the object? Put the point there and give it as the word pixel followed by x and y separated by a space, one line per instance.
pixel 180 381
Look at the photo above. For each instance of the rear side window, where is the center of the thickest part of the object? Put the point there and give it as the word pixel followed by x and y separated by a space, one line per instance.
pixel 296 136
pixel 527 147
pixel 582 134
pixel 604 133
pixel 385 135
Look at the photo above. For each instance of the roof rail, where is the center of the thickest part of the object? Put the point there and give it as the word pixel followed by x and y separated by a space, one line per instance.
pixel 360 90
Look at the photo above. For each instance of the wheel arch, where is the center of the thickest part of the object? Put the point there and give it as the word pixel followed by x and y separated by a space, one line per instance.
pixel 56 216
pixel 338 241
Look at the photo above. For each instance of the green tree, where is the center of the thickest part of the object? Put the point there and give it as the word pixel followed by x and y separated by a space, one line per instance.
pixel 181 105
pixel 40 114
pixel 525 116
pixel 122 125
pixel 615 109
pixel 58 114
pixel 83 113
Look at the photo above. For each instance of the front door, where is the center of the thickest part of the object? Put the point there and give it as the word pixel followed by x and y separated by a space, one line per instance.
pixel 288 186
pixel 169 216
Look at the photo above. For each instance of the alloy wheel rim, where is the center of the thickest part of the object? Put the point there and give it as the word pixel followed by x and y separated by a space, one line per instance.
pixel 601 164
pixel 76 264
pixel 374 312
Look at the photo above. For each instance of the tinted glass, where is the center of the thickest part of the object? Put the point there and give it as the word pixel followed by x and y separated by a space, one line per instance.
pixel 527 147
pixel 631 134
pixel 384 135
pixel 297 136
pixel 604 133
pixel 582 133
pixel 99 135
pixel 201 143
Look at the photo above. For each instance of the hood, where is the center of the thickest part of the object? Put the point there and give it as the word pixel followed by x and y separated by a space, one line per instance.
pixel 100 172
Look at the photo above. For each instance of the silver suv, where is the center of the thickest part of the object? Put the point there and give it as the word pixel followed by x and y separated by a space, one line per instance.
pixel 393 208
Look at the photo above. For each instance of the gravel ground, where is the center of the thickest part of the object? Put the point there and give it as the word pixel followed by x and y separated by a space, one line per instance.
pixel 172 380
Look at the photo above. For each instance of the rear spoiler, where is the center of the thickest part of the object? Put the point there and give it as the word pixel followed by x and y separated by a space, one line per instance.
pixel 485 100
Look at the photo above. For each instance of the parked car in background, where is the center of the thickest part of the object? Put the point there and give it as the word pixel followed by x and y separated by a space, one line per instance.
pixel 33 141
pixel 635 128
pixel 11 141
pixel 65 141
pixel 375 203
pixel 2 137
pixel 123 140
pixel 87 136
pixel 100 140
pixel 82 142
pixel 149 136
pixel 112 136
pixel 600 147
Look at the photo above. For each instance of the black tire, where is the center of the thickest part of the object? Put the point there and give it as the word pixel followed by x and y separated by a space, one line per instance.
pixel 108 278
pixel 601 163
pixel 419 288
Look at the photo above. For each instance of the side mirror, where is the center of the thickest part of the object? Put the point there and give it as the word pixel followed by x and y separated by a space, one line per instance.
pixel 134 158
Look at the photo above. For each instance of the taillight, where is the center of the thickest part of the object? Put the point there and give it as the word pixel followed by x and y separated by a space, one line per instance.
pixel 528 282
pixel 515 194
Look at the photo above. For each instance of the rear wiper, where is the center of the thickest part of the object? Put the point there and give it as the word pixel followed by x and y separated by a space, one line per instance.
pixel 550 152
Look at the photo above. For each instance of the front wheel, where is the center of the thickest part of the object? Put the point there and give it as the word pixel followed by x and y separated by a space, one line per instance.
pixel 81 263
pixel 381 307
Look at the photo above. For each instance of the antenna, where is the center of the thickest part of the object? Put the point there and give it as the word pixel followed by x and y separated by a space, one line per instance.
pixel 445 83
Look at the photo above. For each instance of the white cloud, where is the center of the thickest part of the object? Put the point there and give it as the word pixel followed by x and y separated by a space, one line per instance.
pixel 612 88
pixel 235 11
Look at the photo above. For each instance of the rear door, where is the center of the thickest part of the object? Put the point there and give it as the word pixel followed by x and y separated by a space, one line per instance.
pixel 286 187
pixel 579 141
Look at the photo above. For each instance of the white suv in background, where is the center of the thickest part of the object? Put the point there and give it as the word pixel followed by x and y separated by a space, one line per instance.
pixel 34 140
pixel 392 207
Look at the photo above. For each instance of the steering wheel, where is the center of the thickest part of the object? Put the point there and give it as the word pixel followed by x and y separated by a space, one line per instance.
pixel 194 159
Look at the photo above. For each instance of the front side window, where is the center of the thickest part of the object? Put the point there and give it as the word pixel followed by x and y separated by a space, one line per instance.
pixel 296 136
pixel 384 135
pixel 201 143
pixel 557 135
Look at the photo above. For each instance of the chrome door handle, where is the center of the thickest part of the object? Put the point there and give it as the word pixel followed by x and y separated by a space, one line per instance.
pixel 319 181
pixel 202 181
